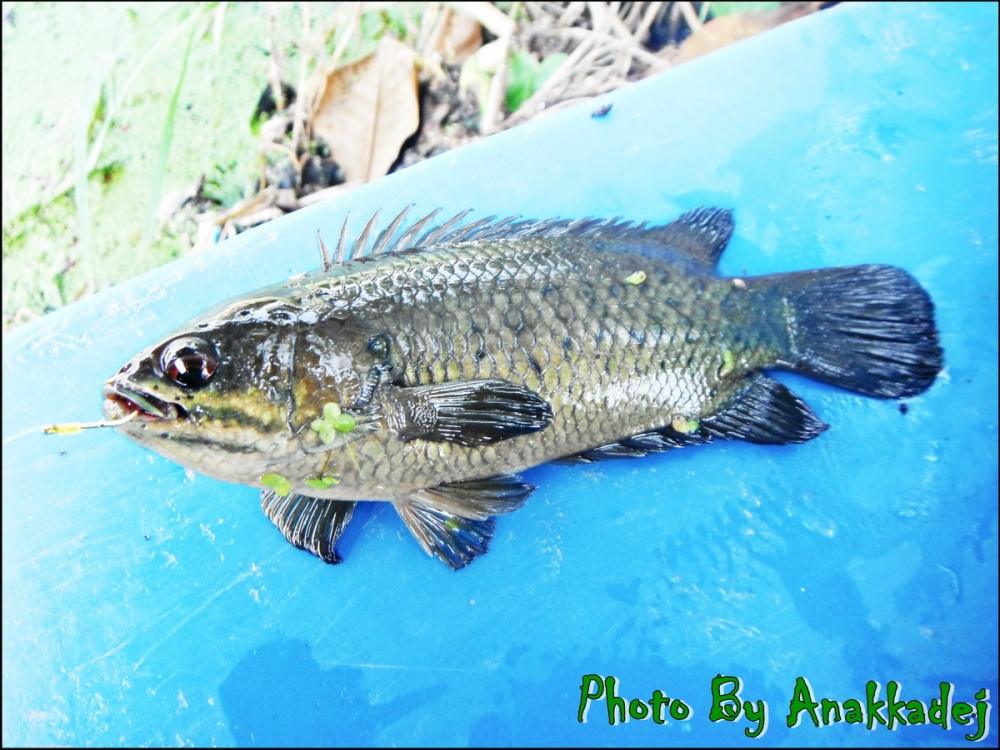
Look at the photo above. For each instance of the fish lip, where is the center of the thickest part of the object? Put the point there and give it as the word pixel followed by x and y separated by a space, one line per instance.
pixel 147 407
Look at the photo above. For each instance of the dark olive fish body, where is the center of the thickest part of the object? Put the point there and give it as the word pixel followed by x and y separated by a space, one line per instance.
pixel 426 376
pixel 612 358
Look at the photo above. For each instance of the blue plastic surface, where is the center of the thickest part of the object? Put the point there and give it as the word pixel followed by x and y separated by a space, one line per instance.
pixel 143 605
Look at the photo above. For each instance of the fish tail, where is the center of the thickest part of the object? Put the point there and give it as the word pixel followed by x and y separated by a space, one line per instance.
pixel 866 328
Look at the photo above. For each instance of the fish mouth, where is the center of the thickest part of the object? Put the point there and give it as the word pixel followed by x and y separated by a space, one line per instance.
pixel 124 401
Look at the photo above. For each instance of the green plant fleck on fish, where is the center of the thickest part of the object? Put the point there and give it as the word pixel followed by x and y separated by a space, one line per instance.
pixel 430 377
pixel 685 426
pixel 332 422
pixel 276 482
pixel 635 278
pixel 728 363
pixel 324 482
pixel 344 423
pixel 326 431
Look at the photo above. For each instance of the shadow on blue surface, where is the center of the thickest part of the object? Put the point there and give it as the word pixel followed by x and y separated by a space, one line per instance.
pixel 142 605
pixel 278 695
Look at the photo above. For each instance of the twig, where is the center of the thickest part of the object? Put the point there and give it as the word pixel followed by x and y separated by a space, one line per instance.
pixel 260 217
pixel 617 25
pixel 498 86
pixel 647 21
pixel 572 13
pixel 285 149
pixel 322 195
pixel 217 25
pixel 247 206
pixel 352 28
pixel 69 428
pixel 633 14
pixel 488 15
pixel 274 58
pixel 491 115
pixel 673 20
pixel 690 17
pixel 299 114
pixel 560 74
pixel 432 28
pixel 630 45
pixel 598 16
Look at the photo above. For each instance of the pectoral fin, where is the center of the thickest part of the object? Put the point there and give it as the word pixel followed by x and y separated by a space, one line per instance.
pixel 467 412
pixel 310 523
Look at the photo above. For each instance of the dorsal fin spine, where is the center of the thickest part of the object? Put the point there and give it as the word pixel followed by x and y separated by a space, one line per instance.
pixel 700 235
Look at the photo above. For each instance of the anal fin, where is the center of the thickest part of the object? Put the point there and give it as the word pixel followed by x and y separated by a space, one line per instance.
pixel 309 523
pixel 761 411
pixel 765 411
pixel 637 446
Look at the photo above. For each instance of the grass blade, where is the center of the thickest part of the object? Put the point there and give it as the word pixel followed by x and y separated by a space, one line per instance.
pixel 166 139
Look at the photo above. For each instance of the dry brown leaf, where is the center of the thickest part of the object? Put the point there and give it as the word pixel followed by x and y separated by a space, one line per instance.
pixel 719 32
pixel 458 37
pixel 367 109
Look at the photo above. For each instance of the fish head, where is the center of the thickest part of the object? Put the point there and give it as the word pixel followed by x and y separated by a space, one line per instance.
pixel 214 396
pixel 236 393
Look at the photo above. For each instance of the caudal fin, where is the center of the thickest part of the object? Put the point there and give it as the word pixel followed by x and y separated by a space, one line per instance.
pixel 865 328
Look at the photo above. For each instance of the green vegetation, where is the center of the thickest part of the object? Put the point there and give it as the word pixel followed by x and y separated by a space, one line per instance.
pixel 133 133
pixel 525 75
pixel 82 185
pixel 112 113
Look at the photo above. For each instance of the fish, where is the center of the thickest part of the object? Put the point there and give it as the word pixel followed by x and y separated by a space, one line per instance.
pixel 430 363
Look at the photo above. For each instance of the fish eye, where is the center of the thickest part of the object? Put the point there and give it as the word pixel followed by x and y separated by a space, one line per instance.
pixel 189 361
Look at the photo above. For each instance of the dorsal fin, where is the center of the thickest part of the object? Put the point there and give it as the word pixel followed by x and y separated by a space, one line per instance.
pixel 701 234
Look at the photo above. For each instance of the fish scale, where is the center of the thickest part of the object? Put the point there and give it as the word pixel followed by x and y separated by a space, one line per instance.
pixel 521 323
pixel 426 375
